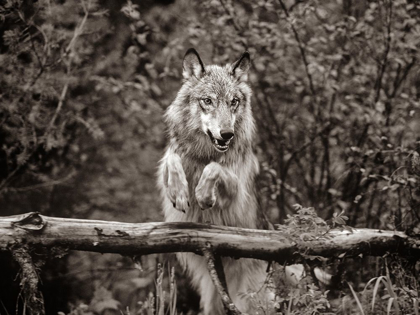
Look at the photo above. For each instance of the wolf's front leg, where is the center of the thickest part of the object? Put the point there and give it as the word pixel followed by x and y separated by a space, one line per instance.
pixel 216 183
pixel 176 182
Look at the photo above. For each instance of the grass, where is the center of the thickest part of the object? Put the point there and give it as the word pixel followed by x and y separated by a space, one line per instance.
pixel 162 304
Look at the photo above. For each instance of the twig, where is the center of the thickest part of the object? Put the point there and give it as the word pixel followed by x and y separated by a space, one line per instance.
pixel 270 115
pixel 57 111
pixel 301 49
pixel 399 80
pixel 325 166
pixel 378 84
pixel 44 185
pixel 9 177
pixel 69 51
pixel 33 298
pixel 304 146
pixel 41 64
pixel 79 28
pixel 46 53
pixel 215 268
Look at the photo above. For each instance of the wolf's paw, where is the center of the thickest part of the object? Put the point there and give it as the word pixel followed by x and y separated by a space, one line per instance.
pixel 205 192
pixel 176 184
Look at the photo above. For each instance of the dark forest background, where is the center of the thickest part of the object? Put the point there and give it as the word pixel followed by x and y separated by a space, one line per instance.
pixel 84 84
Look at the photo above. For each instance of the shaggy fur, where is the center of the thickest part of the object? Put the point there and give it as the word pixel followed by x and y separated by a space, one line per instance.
pixel 207 179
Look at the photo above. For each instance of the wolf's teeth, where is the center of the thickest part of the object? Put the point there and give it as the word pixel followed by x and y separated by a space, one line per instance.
pixel 220 147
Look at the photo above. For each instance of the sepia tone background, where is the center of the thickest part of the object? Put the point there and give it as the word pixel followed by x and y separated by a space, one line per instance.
pixel 84 84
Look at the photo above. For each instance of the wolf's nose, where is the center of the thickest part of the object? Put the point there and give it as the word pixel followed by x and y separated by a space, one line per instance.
pixel 226 134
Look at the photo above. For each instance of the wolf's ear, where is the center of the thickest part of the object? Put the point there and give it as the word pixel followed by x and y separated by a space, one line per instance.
pixel 192 65
pixel 240 67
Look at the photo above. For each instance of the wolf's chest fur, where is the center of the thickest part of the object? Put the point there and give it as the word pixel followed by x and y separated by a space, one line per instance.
pixel 241 209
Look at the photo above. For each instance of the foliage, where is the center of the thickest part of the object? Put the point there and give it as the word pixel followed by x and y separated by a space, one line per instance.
pixel 396 299
pixel 335 101
pixel 306 300
pixel 395 292
pixel 104 303
pixel 62 134
pixel 41 61
pixel 84 85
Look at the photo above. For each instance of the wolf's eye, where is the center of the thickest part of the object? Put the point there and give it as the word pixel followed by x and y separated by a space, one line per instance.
pixel 234 102
pixel 207 101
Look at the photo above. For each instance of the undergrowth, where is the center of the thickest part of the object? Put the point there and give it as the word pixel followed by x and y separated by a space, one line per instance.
pixel 393 290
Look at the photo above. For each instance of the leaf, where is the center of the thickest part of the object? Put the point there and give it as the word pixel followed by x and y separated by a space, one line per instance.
pixel 375 289
pixel 388 309
pixel 297 206
pixel 416 306
pixel 357 299
pixel 339 220
pixel 357 198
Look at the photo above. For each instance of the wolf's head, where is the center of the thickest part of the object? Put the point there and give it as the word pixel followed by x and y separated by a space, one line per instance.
pixel 215 101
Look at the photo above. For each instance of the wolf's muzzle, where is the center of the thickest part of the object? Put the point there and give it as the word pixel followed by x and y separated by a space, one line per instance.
pixel 221 145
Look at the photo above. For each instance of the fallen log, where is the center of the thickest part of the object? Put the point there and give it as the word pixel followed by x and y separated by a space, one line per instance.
pixel 36 230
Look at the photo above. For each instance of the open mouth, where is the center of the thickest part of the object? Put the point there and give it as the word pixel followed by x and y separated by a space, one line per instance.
pixel 220 145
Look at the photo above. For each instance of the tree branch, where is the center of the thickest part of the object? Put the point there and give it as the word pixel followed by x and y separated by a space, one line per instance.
pixel 215 267
pixel 301 48
pixel 383 64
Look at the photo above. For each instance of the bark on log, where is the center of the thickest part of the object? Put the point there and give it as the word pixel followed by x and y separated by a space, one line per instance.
pixel 36 230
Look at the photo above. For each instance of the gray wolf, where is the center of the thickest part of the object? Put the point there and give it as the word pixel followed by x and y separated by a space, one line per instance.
pixel 207 174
